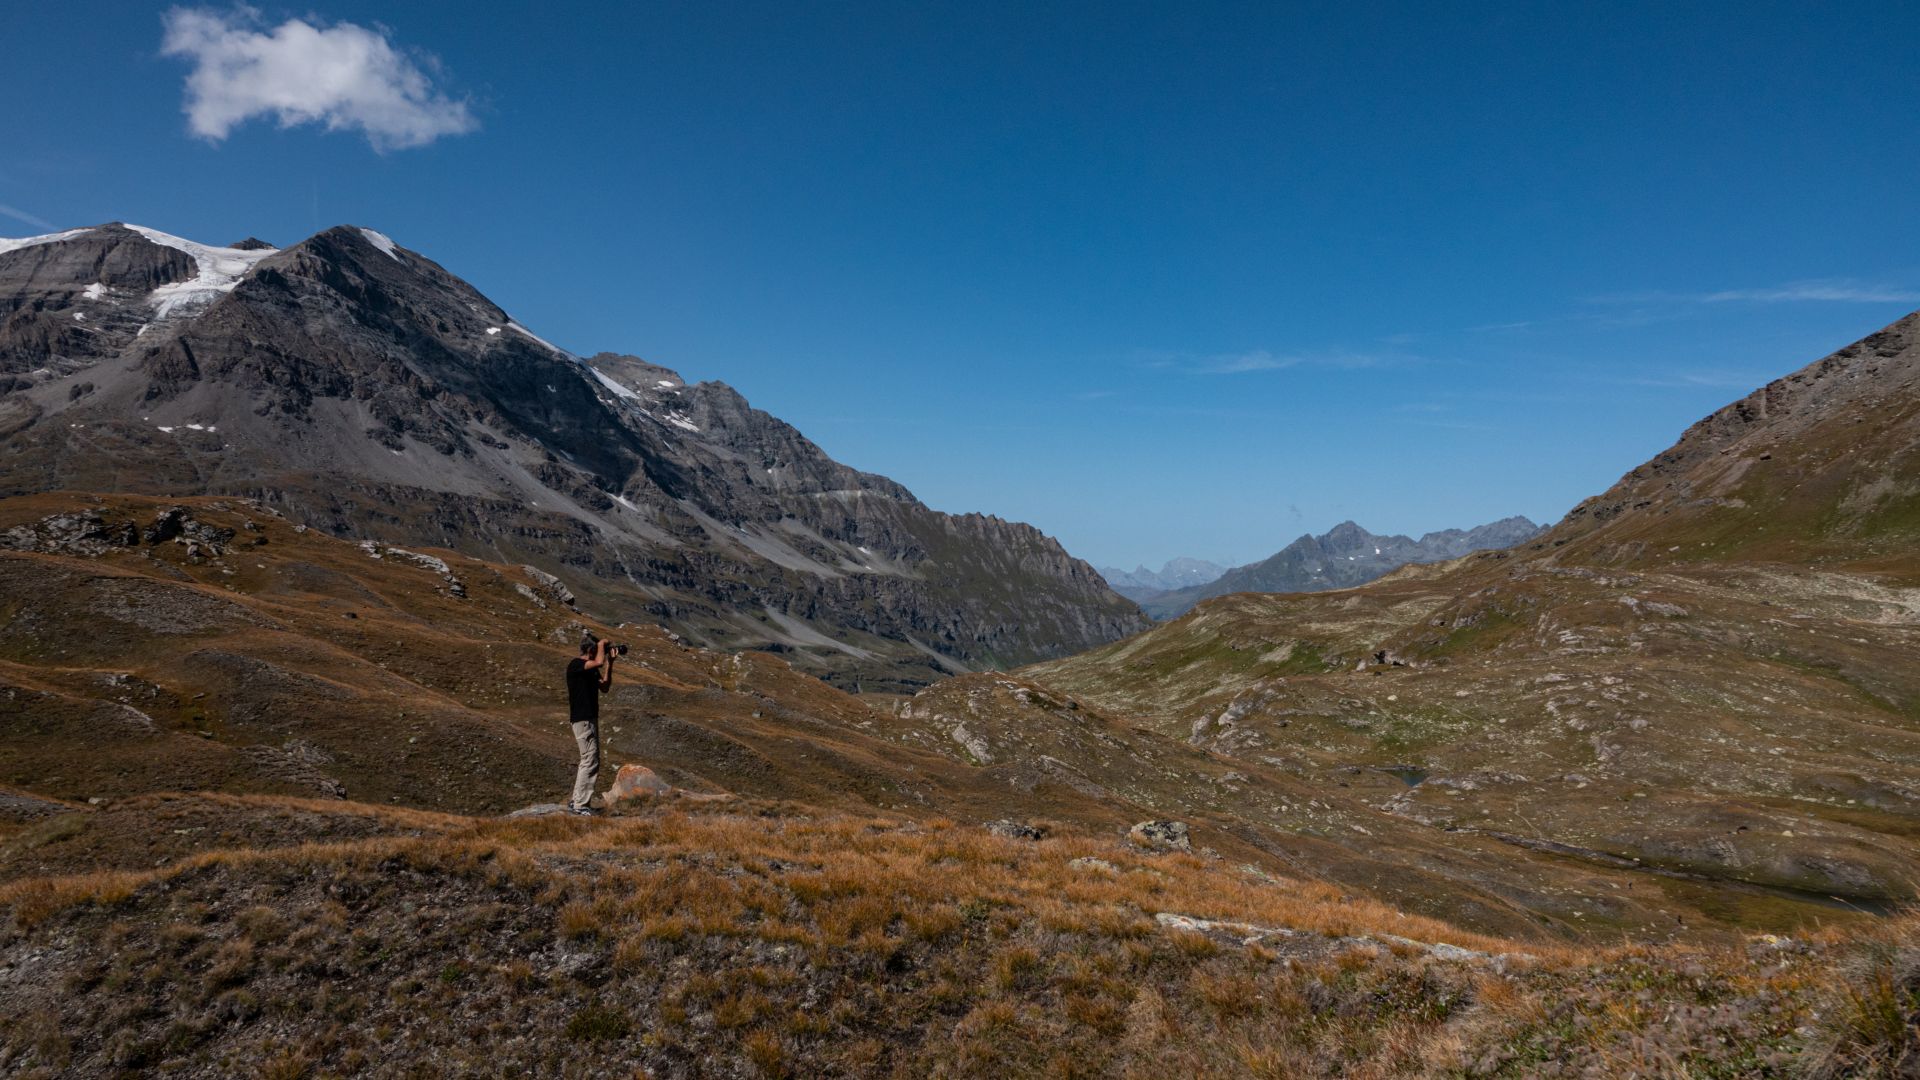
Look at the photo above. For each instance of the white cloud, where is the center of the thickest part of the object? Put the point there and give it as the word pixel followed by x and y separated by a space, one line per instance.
pixel 1237 363
pixel 1256 360
pixel 1831 291
pixel 344 77
pixel 1848 292
pixel 22 215
pixel 1718 379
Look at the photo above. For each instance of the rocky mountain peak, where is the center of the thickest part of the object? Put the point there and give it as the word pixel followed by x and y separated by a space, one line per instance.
pixel 1345 535
pixel 1141 583
pixel 1342 557
pixel 361 387
pixel 111 256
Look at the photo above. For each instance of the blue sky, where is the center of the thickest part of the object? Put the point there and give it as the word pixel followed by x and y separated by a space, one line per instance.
pixel 1160 279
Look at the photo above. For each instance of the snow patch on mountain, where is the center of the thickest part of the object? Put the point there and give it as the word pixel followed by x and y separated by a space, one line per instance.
pixel 382 241
pixel 7 245
pixel 220 270
pixel 511 325
pixel 618 389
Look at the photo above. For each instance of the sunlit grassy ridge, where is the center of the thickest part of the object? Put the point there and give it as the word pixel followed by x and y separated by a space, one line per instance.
pixel 766 940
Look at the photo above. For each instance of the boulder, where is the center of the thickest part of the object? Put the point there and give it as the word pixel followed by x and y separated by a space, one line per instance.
pixel 1016 830
pixel 1161 835
pixel 553 585
pixel 167 524
pixel 635 781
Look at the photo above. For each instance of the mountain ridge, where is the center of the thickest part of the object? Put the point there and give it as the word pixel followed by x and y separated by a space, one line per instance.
pixel 1342 557
pixel 360 385
pixel 1180 572
pixel 1825 458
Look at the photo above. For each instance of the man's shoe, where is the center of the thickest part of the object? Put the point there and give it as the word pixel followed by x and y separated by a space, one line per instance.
pixel 583 811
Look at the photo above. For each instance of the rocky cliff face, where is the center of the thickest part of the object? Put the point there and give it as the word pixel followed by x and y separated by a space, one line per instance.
pixel 1344 556
pixel 362 388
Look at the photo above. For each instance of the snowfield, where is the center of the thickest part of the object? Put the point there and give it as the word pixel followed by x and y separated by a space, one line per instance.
pixel 7 245
pixel 381 241
pixel 220 270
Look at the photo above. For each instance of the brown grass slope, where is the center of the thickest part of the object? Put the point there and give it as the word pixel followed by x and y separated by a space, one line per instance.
pixel 293 664
pixel 763 940
pixel 1705 676
pixel 1819 466
pixel 1335 818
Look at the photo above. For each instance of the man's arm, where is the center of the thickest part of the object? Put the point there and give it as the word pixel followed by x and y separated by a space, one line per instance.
pixel 606 668
pixel 598 658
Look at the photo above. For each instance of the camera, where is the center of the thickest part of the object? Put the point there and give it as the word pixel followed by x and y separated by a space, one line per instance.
pixel 588 641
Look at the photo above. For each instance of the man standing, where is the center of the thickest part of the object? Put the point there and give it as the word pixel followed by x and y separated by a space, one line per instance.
pixel 588 676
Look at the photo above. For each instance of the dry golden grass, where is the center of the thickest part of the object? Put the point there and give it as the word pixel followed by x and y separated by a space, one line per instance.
pixel 791 944
pixel 34 900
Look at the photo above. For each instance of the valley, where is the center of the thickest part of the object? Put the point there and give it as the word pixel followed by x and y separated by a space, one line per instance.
pixel 296 543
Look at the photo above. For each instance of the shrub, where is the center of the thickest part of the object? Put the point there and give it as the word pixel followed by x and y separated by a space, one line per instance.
pixel 594 1023
pixel 764 1050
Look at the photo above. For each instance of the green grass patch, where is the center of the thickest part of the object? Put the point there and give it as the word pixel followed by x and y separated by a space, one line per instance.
pixel 597 1024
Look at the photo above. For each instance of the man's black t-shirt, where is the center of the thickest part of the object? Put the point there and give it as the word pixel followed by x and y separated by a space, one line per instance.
pixel 583 692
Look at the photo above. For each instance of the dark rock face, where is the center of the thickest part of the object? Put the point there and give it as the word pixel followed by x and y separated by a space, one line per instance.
pixel 111 255
pixel 362 389
pixel 1345 556
pixel 81 299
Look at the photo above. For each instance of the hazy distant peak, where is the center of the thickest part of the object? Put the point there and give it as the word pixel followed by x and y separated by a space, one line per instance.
pixel 1343 556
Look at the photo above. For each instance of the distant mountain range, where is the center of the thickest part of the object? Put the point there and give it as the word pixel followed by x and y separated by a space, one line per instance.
pixel 1141 583
pixel 1342 557
pixel 360 388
